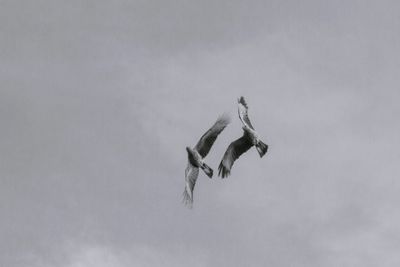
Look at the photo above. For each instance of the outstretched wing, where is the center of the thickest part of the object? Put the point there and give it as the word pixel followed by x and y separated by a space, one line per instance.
pixel 191 174
pixel 243 115
pixel 234 151
pixel 207 140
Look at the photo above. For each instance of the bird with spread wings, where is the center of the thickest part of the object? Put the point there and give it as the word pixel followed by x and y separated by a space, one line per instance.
pixel 197 154
pixel 238 147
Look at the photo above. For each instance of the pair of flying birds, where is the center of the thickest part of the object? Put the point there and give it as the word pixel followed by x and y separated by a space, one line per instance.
pixel 232 153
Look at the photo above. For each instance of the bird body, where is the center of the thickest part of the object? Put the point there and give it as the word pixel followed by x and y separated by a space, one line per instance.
pixel 194 157
pixel 251 134
pixel 197 161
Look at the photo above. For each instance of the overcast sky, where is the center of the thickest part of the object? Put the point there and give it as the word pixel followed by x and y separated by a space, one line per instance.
pixel 98 100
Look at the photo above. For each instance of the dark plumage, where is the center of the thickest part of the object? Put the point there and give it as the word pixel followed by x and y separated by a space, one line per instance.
pixel 243 144
pixel 196 155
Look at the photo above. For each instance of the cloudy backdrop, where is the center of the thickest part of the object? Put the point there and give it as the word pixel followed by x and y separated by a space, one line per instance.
pixel 98 100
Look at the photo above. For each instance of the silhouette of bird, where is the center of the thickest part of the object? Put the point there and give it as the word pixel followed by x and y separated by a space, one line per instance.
pixel 238 147
pixel 198 153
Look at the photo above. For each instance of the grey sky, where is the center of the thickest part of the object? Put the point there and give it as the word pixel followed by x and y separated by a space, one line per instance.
pixel 98 100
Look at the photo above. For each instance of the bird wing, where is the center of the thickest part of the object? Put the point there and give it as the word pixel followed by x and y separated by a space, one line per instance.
pixel 207 140
pixel 191 174
pixel 243 115
pixel 234 151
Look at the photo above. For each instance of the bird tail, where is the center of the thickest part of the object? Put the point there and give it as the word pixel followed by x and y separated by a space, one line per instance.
pixel 207 170
pixel 261 148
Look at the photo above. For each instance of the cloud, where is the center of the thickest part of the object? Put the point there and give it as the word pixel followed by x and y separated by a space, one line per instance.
pixel 99 100
pixel 138 255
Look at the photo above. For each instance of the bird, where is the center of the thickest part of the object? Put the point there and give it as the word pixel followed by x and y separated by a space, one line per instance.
pixel 197 154
pixel 238 147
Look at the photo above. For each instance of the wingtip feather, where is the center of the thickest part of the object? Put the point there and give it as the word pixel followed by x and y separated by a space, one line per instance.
pixel 242 101
pixel 224 118
pixel 187 200
pixel 222 171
